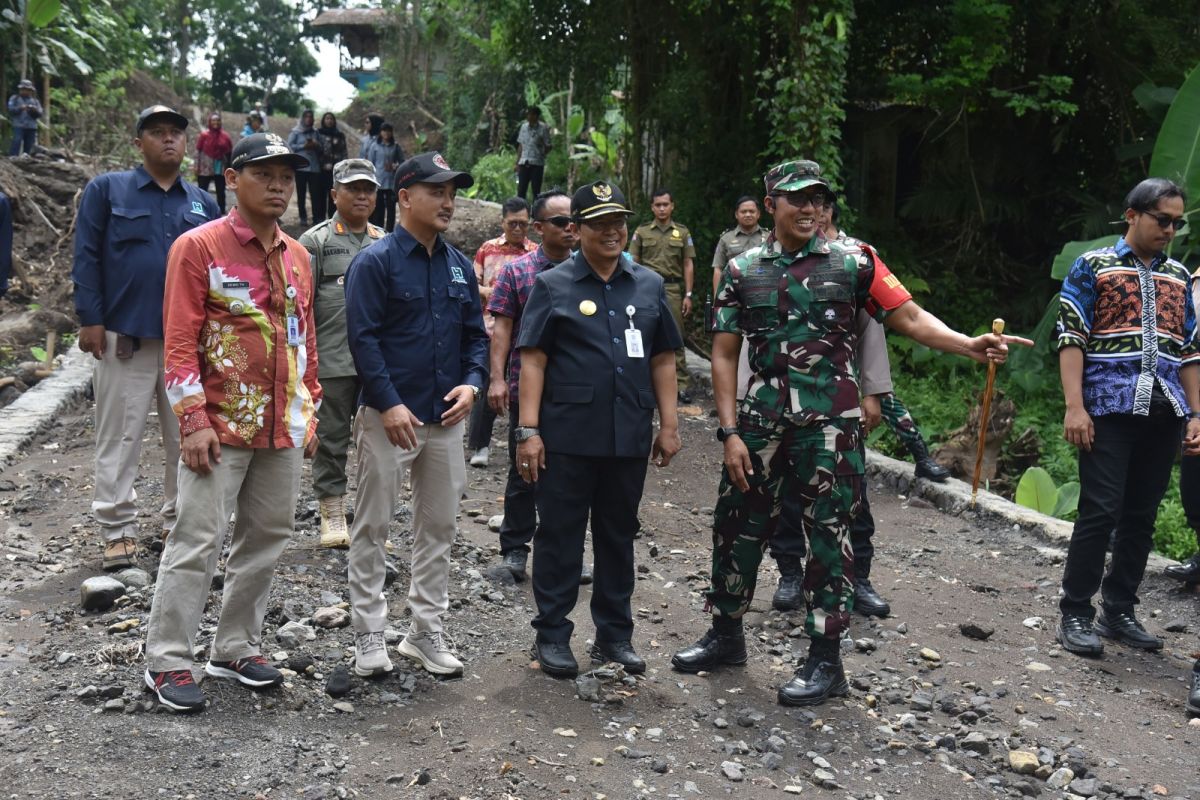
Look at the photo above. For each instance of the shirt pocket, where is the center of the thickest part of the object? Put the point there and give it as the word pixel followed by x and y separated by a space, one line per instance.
pixel 408 309
pixel 571 393
pixel 460 301
pixel 129 225
pixel 831 297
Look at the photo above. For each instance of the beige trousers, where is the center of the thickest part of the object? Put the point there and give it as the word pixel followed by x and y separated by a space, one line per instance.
pixel 126 389
pixel 265 483
pixel 439 476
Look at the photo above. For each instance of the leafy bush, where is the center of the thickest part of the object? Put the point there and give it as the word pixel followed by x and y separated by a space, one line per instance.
pixel 1036 490
pixel 495 179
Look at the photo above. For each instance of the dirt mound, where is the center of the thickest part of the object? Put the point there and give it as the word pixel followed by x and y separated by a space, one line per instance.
pixel 142 90
pixel 475 221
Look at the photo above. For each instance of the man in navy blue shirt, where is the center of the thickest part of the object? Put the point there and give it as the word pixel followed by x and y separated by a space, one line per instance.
pixel 126 224
pixel 416 333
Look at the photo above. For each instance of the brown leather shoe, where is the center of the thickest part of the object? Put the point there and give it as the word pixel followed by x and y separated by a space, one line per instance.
pixel 120 553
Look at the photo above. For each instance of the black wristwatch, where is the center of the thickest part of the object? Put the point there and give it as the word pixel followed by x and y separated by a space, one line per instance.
pixel 525 433
pixel 725 433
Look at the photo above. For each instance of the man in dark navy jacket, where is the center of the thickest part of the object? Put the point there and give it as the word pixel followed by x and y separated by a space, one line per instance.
pixel 416 332
pixel 597 358
pixel 127 222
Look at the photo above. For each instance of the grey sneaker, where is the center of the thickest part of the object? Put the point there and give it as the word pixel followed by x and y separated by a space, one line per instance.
pixel 433 650
pixel 370 655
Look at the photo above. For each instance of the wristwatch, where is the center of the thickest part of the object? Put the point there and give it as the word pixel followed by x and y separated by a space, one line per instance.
pixel 1193 415
pixel 476 391
pixel 725 433
pixel 524 433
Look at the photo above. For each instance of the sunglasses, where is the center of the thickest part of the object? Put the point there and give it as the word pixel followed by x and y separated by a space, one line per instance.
pixel 1167 221
pixel 799 197
pixel 516 223
pixel 561 221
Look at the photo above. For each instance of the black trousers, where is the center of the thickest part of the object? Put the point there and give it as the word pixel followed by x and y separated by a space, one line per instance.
pixel 203 182
pixel 530 175
pixel 322 203
pixel 571 489
pixel 479 430
pixel 1189 492
pixel 520 510
pixel 1122 479
pixel 308 182
pixel 384 214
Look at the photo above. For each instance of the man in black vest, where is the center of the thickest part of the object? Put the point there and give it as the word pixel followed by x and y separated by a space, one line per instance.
pixel 597 357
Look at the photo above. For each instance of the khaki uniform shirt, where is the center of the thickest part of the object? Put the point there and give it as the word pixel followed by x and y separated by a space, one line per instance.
pixel 662 249
pixel 331 247
pixel 734 242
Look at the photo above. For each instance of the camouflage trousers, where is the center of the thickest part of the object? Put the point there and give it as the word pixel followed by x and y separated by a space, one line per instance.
pixel 898 418
pixel 822 466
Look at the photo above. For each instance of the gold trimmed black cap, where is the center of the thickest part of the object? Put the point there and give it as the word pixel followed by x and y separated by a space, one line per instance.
pixel 597 199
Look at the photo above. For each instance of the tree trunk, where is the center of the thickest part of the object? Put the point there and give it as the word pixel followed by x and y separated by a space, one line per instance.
pixel 184 43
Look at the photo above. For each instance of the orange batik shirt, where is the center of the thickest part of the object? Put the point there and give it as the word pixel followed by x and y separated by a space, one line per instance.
pixel 230 364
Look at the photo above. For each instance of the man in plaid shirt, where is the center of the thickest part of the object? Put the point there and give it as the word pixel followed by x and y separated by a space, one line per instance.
pixel 514 282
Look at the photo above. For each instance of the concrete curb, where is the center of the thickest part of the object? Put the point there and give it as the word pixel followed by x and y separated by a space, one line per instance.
pixel 35 410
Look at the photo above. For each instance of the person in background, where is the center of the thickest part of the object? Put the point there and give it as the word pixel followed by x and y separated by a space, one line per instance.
pixel 254 124
pixel 333 150
pixel 533 143
pixel 213 147
pixel 386 154
pixel 372 124
pixel 491 256
pixel 304 140
pixel 24 111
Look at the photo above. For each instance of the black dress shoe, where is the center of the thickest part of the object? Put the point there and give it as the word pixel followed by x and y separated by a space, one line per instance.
pixel 1126 629
pixel 620 652
pixel 867 601
pixel 724 643
pixel 789 596
pixel 514 562
pixel 685 396
pixel 556 659
pixel 1077 636
pixel 1188 571
pixel 1193 702
pixel 820 677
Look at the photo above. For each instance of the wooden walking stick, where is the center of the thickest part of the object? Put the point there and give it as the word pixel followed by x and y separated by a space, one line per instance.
pixel 985 416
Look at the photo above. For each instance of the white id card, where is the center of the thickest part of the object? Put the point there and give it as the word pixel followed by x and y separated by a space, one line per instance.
pixel 293 332
pixel 633 343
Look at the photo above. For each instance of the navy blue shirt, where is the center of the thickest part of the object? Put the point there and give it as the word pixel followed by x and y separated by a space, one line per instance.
pixel 415 325
pixel 6 239
pixel 126 225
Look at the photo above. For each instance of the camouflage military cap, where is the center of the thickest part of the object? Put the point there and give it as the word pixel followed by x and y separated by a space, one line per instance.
pixel 597 199
pixel 792 175
pixel 354 169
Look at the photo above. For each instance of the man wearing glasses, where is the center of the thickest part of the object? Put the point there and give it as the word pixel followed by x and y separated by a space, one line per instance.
pixel 795 298
pixel 597 358
pixel 493 254
pixel 1128 360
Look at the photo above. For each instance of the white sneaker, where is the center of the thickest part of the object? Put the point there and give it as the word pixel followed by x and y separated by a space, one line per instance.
pixel 433 650
pixel 370 655
pixel 480 457
pixel 334 532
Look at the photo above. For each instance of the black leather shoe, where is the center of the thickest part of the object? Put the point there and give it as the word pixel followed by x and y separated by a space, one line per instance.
pixel 1077 636
pixel 926 467
pixel 867 601
pixel 724 643
pixel 514 562
pixel 790 594
pixel 1127 630
pixel 685 397
pixel 556 659
pixel 620 652
pixel 1193 702
pixel 820 677
pixel 1188 571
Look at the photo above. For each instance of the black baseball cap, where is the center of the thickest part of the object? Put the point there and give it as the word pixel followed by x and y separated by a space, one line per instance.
pixel 430 168
pixel 597 199
pixel 160 112
pixel 264 147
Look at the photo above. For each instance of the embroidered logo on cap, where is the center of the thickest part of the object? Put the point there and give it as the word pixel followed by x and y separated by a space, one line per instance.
pixel 602 191
pixel 438 161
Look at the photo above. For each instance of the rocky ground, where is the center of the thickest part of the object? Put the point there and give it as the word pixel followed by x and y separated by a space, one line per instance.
pixel 962 693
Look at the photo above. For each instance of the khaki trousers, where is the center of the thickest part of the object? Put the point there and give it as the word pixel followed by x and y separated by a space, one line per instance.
pixel 439 476
pixel 126 389
pixel 675 301
pixel 265 482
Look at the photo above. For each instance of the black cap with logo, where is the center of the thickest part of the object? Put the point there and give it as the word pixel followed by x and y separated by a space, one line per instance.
pixel 264 147
pixel 597 199
pixel 430 168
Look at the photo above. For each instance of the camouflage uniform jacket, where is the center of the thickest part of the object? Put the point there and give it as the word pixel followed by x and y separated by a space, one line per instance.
pixel 797 312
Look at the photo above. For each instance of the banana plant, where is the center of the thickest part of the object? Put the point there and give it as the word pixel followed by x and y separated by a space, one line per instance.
pixel 30 18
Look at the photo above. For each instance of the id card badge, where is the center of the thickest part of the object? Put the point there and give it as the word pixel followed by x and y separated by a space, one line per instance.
pixel 633 343
pixel 293 331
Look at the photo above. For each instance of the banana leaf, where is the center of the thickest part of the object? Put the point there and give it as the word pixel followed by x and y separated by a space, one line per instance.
pixel 1177 149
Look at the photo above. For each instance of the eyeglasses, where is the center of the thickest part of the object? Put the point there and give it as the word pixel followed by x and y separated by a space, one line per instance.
pixel 1167 221
pixel 560 221
pixel 516 223
pixel 799 198
pixel 602 224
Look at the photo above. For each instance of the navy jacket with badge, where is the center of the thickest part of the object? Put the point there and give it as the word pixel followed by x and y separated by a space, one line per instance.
pixel 414 324
pixel 597 401
pixel 125 226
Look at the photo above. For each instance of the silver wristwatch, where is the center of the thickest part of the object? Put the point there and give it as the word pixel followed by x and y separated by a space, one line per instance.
pixel 524 433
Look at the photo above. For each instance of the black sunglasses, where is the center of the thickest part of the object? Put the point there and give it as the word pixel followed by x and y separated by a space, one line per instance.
pixel 561 221
pixel 1167 221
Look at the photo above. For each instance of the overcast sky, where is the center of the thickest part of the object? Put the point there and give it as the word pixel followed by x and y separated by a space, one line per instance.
pixel 327 89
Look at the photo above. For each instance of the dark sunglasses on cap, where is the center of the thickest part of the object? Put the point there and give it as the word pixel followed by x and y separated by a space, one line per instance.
pixel 560 221
pixel 1167 221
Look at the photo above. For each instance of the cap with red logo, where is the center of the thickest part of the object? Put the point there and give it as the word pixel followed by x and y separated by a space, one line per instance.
pixel 430 168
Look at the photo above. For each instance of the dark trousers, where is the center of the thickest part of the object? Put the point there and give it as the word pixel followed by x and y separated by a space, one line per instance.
pixel 569 490
pixel 384 214
pixel 530 175
pixel 203 181
pixel 26 138
pixel 1189 492
pixel 308 182
pixel 322 203
pixel 482 419
pixel 1122 479
pixel 520 511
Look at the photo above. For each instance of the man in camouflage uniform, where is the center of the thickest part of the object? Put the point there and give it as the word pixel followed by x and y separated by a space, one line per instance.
pixel 666 247
pixel 795 299
pixel 332 245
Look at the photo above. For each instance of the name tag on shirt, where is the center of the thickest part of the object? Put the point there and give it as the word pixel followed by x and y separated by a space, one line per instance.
pixel 633 343
pixel 235 284
pixel 293 331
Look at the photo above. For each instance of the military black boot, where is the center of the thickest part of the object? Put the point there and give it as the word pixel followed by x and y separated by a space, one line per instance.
pixel 820 676
pixel 866 600
pixel 790 594
pixel 1193 703
pixel 724 643
pixel 926 466
pixel 1188 571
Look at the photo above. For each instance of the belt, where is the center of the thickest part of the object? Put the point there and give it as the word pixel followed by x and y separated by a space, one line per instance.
pixel 672 280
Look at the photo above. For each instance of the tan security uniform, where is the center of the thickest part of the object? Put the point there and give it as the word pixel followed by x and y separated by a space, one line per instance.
pixel 663 249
